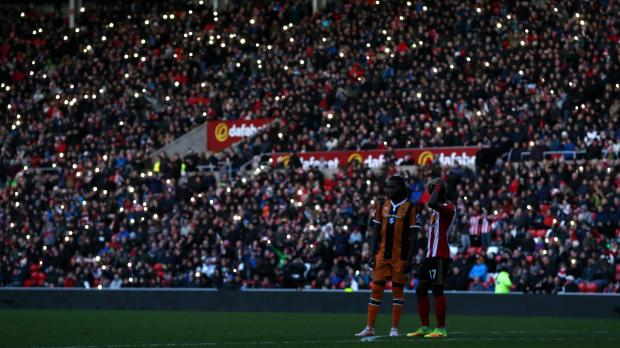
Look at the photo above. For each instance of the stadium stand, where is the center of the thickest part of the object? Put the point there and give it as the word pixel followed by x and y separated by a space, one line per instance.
pixel 83 205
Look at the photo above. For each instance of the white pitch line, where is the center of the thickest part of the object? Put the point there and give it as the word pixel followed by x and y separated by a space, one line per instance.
pixel 381 338
pixel 200 344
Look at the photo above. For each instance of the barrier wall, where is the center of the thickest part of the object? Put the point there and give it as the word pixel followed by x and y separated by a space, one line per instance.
pixel 599 306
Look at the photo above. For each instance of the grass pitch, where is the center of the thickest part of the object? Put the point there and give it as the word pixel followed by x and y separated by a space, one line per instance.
pixel 128 329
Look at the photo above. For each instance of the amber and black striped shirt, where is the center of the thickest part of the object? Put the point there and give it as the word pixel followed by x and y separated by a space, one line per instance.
pixel 398 222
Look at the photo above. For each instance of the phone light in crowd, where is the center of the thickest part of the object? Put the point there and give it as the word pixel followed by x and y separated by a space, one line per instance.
pixel 317 207
pixel 228 190
pixel 77 30
pixel 478 9
pixel 252 21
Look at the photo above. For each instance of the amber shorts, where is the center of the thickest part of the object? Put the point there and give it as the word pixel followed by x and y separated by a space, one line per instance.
pixel 389 270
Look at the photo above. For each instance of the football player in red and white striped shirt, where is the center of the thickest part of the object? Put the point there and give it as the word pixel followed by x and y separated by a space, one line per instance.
pixel 434 268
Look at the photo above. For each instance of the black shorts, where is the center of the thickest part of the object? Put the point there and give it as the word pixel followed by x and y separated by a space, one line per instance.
pixel 435 269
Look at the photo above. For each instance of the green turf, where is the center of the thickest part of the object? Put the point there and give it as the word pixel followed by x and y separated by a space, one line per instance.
pixel 125 329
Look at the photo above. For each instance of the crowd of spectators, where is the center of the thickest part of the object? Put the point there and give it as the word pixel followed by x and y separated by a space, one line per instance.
pixel 81 203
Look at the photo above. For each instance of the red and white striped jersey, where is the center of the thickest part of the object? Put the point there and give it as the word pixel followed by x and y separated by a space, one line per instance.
pixel 486 226
pixel 441 222
pixel 474 225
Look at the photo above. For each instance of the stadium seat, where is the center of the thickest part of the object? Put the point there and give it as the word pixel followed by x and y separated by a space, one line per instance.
pixel 548 221
pixel 592 287
pixel 583 287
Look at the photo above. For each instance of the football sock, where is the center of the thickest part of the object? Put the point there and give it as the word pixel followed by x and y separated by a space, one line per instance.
pixel 374 303
pixel 398 302
pixel 424 309
pixel 440 311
